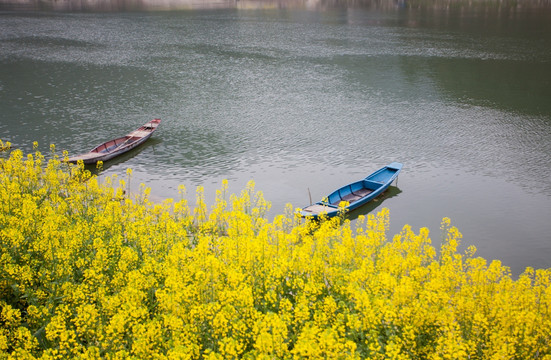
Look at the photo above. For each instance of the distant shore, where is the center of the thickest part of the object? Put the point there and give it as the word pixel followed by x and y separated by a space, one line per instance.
pixel 168 5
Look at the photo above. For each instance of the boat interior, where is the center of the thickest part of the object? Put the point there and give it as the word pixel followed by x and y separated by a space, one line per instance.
pixel 350 193
pixel 353 192
pixel 114 144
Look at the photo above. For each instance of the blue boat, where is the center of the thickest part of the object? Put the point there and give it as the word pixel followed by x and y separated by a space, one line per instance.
pixel 355 194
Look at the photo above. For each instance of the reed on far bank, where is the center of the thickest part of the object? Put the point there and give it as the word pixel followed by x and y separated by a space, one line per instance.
pixel 90 271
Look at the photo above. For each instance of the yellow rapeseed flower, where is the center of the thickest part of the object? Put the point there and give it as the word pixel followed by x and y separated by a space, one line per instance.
pixel 90 271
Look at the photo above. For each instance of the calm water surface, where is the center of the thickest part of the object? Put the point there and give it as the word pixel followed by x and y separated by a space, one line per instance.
pixel 302 101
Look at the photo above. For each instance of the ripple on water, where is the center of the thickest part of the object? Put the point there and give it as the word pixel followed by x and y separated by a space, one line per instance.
pixel 300 101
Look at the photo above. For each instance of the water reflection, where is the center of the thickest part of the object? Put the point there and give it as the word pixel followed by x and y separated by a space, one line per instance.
pixel 482 7
pixel 510 85
pixel 376 204
pixel 299 100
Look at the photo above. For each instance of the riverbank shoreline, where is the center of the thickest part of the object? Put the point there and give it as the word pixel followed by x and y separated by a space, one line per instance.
pixel 173 5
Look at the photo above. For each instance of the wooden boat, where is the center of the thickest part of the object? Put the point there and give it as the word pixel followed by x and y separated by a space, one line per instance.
pixel 355 194
pixel 118 146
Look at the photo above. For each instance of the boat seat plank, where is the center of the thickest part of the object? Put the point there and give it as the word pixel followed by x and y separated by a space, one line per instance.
pixel 85 156
pixel 318 208
pixel 139 133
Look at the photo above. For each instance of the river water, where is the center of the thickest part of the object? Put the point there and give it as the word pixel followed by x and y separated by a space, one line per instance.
pixel 303 101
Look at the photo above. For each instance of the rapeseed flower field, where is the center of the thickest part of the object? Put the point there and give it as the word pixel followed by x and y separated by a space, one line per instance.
pixel 90 271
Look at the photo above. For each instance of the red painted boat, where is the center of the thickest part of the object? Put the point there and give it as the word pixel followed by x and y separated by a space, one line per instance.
pixel 118 146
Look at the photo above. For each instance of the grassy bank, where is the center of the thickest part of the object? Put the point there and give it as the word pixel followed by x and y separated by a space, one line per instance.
pixel 90 271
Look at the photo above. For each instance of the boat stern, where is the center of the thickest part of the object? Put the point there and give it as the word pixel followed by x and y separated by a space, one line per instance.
pixel 318 209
